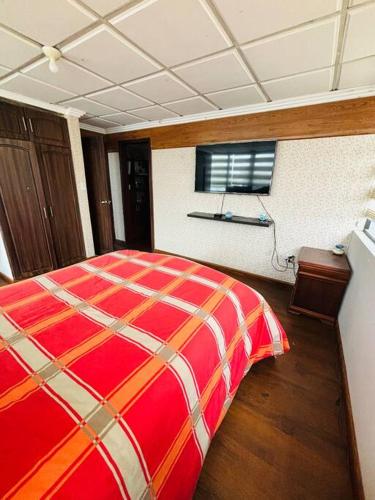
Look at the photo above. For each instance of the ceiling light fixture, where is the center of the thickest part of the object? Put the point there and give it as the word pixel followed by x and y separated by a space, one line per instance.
pixel 53 55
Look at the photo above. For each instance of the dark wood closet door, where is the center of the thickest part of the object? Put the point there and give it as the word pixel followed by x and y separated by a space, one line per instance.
pixel 21 209
pixel 46 128
pixel 97 179
pixel 62 204
pixel 12 122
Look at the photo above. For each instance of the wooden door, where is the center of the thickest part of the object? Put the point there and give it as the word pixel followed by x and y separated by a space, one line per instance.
pixel 135 172
pixel 12 122
pixel 97 179
pixel 62 204
pixel 47 128
pixel 21 210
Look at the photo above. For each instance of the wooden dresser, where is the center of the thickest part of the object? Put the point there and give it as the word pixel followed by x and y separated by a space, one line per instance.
pixel 321 282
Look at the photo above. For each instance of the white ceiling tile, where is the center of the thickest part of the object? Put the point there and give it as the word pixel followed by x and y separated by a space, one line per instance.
pixel 46 21
pixel 360 39
pixel 4 70
pixel 190 106
pixel 358 73
pixel 104 53
pixel 160 88
pixel 24 85
pixel 298 51
pixel 173 31
pixel 100 122
pixel 89 106
pixel 15 51
pixel 153 113
pixel 119 98
pixel 236 97
pixel 305 84
pixel 215 73
pixel 104 7
pixel 251 19
pixel 123 119
pixel 69 77
pixel 356 2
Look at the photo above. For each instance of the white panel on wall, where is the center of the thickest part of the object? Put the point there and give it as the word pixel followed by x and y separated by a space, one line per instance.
pixel 4 261
pixel 318 195
pixel 357 328
pixel 116 193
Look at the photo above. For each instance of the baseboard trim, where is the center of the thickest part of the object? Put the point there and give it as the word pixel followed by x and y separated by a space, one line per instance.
pixel 226 269
pixel 6 278
pixel 355 469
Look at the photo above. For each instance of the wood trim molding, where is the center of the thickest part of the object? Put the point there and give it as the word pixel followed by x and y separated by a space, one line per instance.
pixel 5 278
pixel 225 269
pixel 349 117
pixel 353 457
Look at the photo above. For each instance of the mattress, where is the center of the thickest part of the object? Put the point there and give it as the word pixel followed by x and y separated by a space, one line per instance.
pixel 117 372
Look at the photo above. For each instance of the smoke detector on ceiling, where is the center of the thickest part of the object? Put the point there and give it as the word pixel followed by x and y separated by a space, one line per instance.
pixel 53 55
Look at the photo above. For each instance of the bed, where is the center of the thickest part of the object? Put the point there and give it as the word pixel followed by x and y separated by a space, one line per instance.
pixel 117 372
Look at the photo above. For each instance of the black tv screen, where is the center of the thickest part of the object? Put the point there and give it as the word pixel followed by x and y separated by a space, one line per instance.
pixel 244 167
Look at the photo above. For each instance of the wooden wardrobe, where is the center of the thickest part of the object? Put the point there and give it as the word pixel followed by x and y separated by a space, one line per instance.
pixel 39 213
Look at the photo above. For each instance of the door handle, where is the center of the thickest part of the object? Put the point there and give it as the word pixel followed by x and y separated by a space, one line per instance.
pixel 45 213
pixel 31 125
pixel 103 202
pixel 24 123
pixel 50 211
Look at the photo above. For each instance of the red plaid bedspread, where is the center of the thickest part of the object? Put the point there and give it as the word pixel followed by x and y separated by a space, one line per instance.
pixel 116 373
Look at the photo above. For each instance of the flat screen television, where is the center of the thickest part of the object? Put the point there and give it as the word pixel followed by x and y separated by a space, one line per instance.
pixel 241 168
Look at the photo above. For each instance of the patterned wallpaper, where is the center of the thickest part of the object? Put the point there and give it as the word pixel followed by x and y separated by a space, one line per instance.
pixel 79 172
pixel 318 196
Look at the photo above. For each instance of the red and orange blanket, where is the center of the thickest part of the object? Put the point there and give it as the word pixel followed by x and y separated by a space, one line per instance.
pixel 115 374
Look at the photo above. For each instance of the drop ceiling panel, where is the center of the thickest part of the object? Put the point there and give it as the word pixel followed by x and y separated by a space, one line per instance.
pixel 123 119
pixel 173 31
pixel 24 85
pixel 104 7
pixel 216 73
pixel 15 51
pixel 308 83
pixel 154 113
pixel 105 54
pixel 119 98
pixel 46 21
pixel 69 77
pixel 360 39
pixel 251 19
pixel 236 97
pixel 358 73
pixel 160 88
pixel 298 51
pixel 100 122
pixel 190 106
pixel 93 108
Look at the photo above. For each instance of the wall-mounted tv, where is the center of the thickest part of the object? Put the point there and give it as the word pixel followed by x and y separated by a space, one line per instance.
pixel 242 168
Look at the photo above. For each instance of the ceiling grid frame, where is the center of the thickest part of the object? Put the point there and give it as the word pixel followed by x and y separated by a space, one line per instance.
pixel 99 21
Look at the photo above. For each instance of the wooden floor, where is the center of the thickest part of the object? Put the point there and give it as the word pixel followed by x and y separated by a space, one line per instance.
pixel 284 436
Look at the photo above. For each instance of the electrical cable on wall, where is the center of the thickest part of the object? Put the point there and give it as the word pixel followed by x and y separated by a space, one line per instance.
pixel 275 259
pixel 222 203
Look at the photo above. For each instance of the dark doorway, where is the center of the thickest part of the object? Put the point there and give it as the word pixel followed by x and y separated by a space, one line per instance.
pixel 135 162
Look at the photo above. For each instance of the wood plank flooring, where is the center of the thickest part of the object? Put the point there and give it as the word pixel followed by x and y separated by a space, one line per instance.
pixel 284 435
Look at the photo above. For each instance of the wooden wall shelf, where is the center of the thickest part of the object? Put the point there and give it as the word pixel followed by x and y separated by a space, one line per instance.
pixel 236 219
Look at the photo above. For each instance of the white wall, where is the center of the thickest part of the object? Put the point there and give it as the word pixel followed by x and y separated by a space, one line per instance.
pixel 116 194
pixel 357 328
pixel 4 261
pixel 319 191
pixel 79 172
